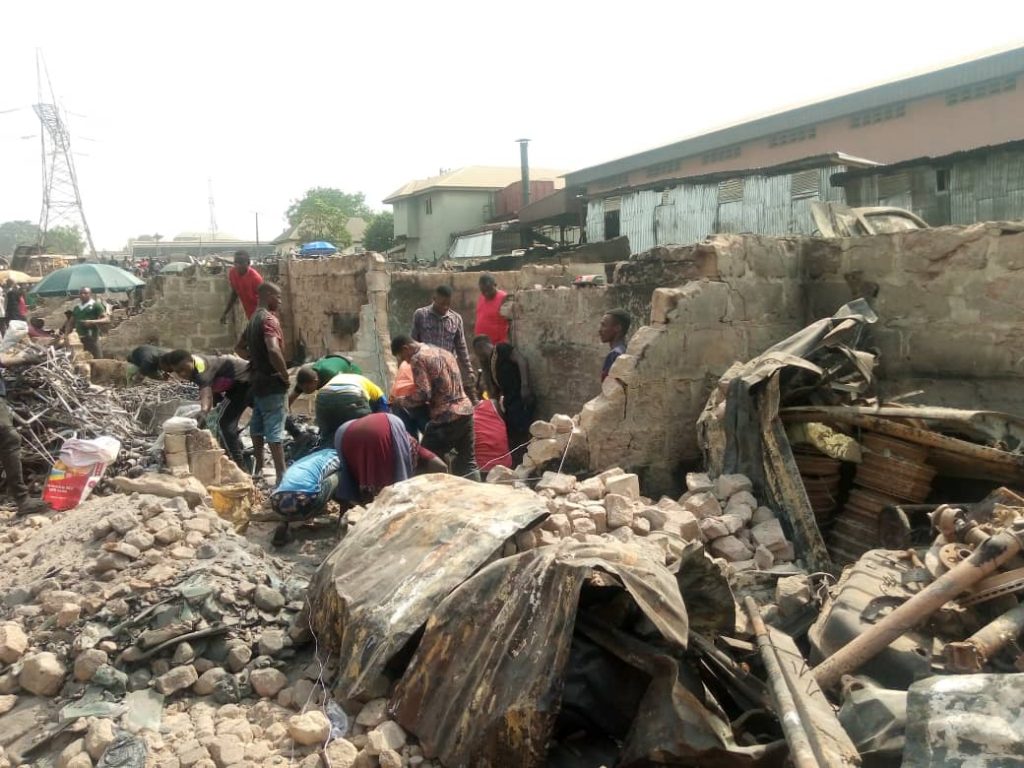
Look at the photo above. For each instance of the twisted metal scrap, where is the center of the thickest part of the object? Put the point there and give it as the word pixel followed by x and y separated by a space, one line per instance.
pixel 51 402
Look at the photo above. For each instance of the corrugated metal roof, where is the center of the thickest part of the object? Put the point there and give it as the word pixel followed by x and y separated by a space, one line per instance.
pixel 475 177
pixel 855 173
pixel 919 86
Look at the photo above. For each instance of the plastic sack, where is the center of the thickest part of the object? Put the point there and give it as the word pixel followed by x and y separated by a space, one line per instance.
pixel 491 435
pixel 17 331
pixel 78 470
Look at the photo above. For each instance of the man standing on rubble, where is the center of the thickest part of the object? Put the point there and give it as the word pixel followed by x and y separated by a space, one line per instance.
pixel 612 331
pixel 438 325
pixel 262 344
pixel 10 460
pixel 245 283
pixel 89 314
pixel 439 386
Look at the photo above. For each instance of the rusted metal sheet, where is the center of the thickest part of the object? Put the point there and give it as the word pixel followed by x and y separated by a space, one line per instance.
pixel 416 543
pixel 784 483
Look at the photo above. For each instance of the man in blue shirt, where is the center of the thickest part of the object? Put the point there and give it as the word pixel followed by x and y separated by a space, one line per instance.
pixel 612 331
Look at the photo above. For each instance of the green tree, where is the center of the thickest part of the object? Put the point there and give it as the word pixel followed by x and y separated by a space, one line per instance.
pixel 15 233
pixel 323 212
pixel 65 240
pixel 380 232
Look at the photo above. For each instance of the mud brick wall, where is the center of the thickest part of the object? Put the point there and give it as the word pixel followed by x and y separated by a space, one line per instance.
pixel 185 314
pixel 338 305
pixel 735 296
pixel 950 303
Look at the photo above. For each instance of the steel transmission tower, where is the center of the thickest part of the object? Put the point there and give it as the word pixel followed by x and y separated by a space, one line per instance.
pixel 62 202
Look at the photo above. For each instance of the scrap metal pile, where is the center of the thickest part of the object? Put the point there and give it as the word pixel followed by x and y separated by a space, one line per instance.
pixel 927 614
pixel 53 400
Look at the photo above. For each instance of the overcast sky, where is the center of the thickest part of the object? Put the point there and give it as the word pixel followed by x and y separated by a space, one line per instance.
pixel 269 99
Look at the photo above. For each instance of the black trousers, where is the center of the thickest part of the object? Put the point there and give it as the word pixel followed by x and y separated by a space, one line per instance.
pixel 455 435
pixel 92 346
pixel 238 401
pixel 10 454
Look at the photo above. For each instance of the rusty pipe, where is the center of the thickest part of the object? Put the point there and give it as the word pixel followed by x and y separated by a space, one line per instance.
pixel 990 554
pixel 973 653
pixel 800 750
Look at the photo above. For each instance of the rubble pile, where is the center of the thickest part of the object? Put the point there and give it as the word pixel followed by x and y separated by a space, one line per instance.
pixel 150 618
pixel 722 514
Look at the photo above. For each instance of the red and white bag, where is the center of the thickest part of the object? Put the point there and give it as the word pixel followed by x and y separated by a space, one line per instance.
pixel 78 470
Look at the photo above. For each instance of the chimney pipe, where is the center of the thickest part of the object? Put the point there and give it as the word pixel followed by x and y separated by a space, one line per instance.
pixel 524 164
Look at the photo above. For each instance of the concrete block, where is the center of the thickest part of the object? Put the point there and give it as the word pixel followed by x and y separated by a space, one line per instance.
pixel 627 485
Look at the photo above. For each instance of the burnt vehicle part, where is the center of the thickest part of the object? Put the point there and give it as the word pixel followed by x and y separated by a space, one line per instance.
pixel 998 549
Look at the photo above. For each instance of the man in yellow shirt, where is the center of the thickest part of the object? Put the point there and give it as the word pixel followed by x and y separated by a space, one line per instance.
pixel 344 397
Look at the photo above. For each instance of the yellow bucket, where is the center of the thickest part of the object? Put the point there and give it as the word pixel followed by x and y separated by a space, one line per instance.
pixel 233 503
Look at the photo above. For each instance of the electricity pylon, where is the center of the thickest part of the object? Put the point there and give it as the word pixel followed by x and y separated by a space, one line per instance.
pixel 62 202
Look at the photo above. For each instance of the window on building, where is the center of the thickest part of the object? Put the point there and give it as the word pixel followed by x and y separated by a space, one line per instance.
pixel 663 169
pixel 611 217
pixel 981 90
pixel 790 137
pixel 879 115
pixel 428 206
pixel 722 153
pixel 942 179
pixel 730 191
pixel 805 183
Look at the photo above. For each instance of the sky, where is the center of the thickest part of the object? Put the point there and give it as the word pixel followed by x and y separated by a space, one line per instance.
pixel 262 101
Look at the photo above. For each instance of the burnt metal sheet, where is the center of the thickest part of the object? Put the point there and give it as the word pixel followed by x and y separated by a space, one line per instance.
pixel 965 720
pixel 416 543
pixel 487 682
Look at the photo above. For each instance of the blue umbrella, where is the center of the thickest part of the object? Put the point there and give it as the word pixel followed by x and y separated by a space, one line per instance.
pixel 318 248
pixel 100 278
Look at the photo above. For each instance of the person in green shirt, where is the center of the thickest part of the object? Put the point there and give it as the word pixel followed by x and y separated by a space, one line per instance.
pixel 312 377
pixel 89 314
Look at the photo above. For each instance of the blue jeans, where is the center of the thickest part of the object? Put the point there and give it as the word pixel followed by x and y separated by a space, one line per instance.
pixel 268 415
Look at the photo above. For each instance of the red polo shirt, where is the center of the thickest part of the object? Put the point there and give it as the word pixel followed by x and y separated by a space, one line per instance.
pixel 489 319
pixel 247 288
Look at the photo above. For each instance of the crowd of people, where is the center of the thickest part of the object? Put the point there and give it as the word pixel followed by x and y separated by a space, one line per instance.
pixel 445 391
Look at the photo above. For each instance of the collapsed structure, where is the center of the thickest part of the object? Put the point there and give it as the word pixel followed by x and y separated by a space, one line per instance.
pixel 660 582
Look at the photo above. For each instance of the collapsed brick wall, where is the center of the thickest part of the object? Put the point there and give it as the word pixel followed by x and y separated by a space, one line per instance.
pixel 185 314
pixel 739 296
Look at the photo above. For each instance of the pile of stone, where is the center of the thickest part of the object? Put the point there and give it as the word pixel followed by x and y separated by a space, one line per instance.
pixel 723 514
pixel 560 441
pixel 139 596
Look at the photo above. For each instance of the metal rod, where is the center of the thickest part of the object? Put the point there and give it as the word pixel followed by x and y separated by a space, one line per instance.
pixel 801 752
pixel 972 654
pixel 989 555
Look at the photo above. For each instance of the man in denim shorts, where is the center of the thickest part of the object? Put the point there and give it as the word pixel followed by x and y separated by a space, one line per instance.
pixel 262 343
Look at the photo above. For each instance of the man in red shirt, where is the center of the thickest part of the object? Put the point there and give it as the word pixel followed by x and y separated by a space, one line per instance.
pixel 489 320
pixel 245 283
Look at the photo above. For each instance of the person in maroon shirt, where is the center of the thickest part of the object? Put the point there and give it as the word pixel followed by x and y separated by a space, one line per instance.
pixel 245 283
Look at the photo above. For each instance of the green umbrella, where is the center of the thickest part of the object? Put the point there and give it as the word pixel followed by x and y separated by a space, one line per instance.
pixel 175 268
pixel 101 278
